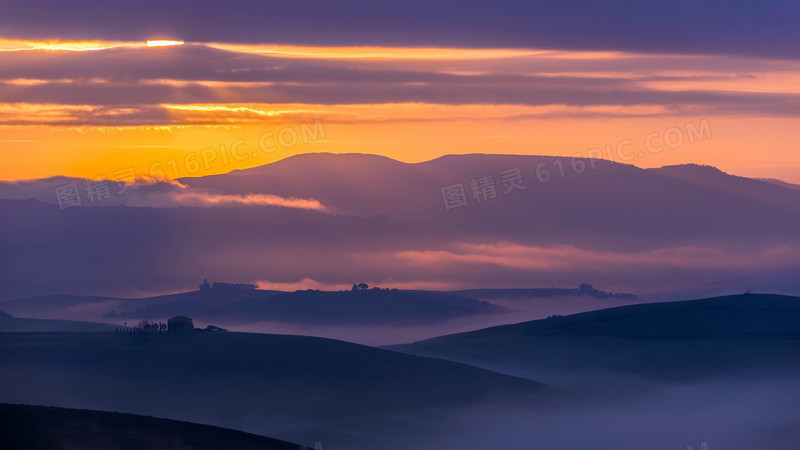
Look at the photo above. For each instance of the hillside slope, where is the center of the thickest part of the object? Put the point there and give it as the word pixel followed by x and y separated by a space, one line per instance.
pixel 291 387
pixel 675 341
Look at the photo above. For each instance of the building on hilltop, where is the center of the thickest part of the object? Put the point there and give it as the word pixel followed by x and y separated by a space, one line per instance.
pixel 179 323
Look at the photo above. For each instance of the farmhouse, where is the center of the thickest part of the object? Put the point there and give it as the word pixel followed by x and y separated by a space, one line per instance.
pixel 179 323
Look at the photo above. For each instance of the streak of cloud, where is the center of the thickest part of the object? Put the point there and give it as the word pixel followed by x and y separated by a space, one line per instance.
pixel 202 199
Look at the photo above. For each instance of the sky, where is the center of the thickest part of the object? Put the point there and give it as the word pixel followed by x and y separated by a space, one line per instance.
pixel 241 84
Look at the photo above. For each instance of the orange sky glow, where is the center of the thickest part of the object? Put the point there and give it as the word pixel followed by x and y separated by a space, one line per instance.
pixel 91 109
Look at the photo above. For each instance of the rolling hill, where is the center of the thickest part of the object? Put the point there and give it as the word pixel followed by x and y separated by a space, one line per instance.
pixel 675 341
pixel 367 307
pixel 291 387
pixel 235 306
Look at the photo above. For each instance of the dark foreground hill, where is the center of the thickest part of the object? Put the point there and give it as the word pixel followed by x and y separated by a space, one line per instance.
pixel 43 427
pixel 677 341
pixel 291 387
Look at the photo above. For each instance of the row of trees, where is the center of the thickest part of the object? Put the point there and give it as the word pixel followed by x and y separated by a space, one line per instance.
pixel 147 326
pixel 365 286
pixel 144 326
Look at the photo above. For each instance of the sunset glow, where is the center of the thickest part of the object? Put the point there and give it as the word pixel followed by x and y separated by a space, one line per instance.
pixel 383 91
pixel 11 45
pixel 356 91
pixel 163 43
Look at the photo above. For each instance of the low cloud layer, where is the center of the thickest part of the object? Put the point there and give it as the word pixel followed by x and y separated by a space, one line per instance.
pixel 562 257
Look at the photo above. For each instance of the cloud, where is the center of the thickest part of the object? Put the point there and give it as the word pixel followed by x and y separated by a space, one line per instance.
pixel 133 85
pixel 155 193
pixel 203 199
pixel 304 284
pixel 568 257
pixel 738 27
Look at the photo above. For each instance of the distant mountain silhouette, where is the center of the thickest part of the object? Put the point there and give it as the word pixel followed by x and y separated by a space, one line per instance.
pixel 678 202
pixel 610 195
pixel 755 189
pixel 781 183
pixel 379 215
